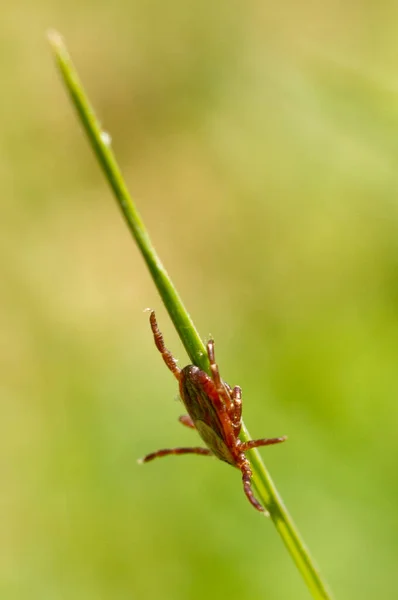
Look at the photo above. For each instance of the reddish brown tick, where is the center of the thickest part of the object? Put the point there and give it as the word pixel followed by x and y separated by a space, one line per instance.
pixel 215 411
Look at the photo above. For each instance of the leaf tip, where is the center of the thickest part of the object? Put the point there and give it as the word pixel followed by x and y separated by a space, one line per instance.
pixel 54 37
pixel 57 43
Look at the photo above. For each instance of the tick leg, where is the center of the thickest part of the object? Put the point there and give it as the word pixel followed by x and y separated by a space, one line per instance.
pixel 166 354
pixel 264 442
pixel 244 466
pixel 231 407
pixel 235 408
pixel 220 387
pixel 187 421
pixel 237 416
pixel 168 451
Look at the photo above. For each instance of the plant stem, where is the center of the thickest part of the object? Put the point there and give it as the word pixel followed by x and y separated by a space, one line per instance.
pixel 194 346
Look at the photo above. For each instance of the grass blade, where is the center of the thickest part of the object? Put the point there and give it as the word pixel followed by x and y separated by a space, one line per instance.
pixel 266 490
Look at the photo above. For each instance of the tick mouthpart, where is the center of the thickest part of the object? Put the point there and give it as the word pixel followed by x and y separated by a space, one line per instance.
pixel 140 461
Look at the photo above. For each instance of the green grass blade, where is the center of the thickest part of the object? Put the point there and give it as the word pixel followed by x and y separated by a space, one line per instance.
pixel 266 490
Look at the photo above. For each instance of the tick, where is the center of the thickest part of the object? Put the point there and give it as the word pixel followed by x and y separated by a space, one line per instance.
pixel 214 410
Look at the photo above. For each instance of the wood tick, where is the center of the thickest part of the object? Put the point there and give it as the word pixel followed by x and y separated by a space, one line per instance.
pixel 214 410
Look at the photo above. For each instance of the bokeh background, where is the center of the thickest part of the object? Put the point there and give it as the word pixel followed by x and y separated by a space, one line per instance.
pixel 260 141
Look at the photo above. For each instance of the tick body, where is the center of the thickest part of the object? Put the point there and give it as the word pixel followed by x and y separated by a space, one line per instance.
pixel 214 410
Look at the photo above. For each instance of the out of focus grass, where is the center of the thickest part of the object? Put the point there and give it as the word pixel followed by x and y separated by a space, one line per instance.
pixel 273 131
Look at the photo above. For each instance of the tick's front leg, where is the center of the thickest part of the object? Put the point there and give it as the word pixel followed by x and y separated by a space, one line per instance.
pixel 166 354
pixel 223 391
pixel 237 415
pixel 168 451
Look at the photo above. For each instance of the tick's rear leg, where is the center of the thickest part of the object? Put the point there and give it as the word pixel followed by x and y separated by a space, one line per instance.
pixel 264 442
pixel 168 451
pixel 187 421
pixel 244 466
pixel 166 354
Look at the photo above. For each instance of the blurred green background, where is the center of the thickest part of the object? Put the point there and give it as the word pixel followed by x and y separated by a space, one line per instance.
pixel 261 145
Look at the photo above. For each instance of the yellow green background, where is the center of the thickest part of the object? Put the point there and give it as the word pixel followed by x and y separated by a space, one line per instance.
pixel 260 141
